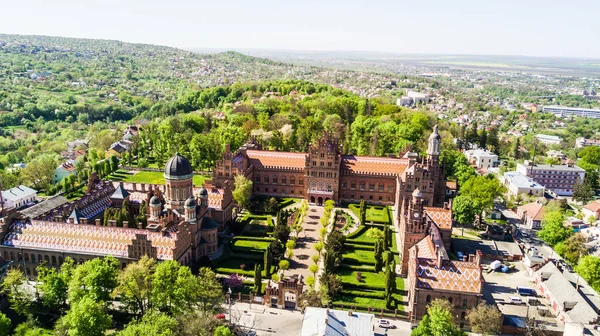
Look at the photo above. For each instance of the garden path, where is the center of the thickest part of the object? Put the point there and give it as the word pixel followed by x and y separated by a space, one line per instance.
pixel 309 236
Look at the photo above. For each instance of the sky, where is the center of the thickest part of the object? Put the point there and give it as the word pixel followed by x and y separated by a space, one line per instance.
pixel 565 28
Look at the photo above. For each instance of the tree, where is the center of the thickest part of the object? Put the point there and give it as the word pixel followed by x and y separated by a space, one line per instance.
pixel 31 328
pixel 282 232
pixel 589 269
pixel 277 251
pixel 257 279
pixel 152 324
pixel 553 230
pixel 54 285
pixel 516 149
pixel 242 190
pixel 85 318
pixel 464 211
pixel 5 325
pixel 573 248
pixel 223 331
pixel 375 233
pixel 114 163
pixel 583 192
pixel 271 205
pixel 209 291
pixel 485 319
pixel 135 285
pixel 482 190
pixel 39 172
pixel 268 261
pixel 438 321
pixel 332 283
pixel 174 288
pixel 95 278
pixel 284 265
pixel 378 249
pixel 363 212
pixel 390 284
pixel 14 286
pixel 314 268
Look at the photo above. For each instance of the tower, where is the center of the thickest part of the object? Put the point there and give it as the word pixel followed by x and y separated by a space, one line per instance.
pixel 155 207
pixel 203 197
pixel 433 148
pixel 322 168
pixel 190 209
pixel 413 226
pixel 178 180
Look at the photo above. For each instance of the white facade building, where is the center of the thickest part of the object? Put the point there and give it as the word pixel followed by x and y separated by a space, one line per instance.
pixel 583 142
pixel 563 111
pixel 18 197
pixel 518 184
pixel 481 158
pixel 548 139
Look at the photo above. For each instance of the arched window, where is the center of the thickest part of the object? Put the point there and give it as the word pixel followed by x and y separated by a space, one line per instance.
pixel 313 185
pixel 33 258
pixel 47 259
pixel 464 303
pixel 26 257
pixel 450 299
pixel 462 315
pixel 40 259
pixel 60 260
pixel 329 186
pixel 428 299
pixel 53 260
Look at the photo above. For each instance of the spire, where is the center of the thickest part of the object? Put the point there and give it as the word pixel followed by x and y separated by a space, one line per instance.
pixel 434 142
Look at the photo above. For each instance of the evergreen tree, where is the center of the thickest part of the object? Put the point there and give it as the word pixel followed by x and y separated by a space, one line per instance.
pixel 390 284
pixel 493 141
pixel 114 163
pixel 386 240
pixel 516 152
pixel 483 139
pixel 257 279
pixel 378 255
pixel 363 212
pixel 268 261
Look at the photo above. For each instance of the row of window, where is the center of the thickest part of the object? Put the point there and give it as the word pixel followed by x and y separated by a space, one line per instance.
pixel 274 190
pixel 362 185
pixel 323 174
pixel 322 164
pixel 380 198
pixel 277 180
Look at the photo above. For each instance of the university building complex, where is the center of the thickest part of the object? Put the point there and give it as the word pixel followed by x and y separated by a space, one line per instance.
pixel 182 222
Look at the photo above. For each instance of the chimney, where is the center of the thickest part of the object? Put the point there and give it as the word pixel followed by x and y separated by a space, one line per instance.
pixel 439 259
pixel 478 257
pixel 134 186
pixel 98 222
pixel 125 224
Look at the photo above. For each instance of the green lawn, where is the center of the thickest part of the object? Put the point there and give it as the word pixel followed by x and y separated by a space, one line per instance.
pixel 375 214
pixel 150 177
pixel 353 256
pixel 241 245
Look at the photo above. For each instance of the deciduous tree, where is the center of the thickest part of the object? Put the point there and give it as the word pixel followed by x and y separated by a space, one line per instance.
pixel 485 319
pixel 86 317
pixel 242 190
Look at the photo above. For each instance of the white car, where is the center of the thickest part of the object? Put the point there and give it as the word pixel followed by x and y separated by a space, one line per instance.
pixel 385 324
pixel 516 300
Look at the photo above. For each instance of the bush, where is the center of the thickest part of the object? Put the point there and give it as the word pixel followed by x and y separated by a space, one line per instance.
pixel 361 230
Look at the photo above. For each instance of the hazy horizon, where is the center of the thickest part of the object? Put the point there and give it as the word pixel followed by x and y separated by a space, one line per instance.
pixel 533 28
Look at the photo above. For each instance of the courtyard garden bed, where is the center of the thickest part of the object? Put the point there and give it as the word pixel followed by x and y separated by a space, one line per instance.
pixel 375 213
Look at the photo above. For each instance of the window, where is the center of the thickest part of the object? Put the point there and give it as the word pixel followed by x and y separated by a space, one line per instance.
pixel 322 155
pixel 274 180
pixel 274 190
pixel 314 163
pixel 266 179
pixel 372 187
pixel 292 191
pixel 464 303
pixel 329 164
pixel 301 182
pixel 380 198
pixel 322 164
pixel 351 196
pixel 257 179
pixel 428 299
pixel 371 197
pixel 292 181
pixel 343 185
pixel 283 180
pixel 391 188
pixel 352 185
pixel 362 185
pixel 450 299
pixel 381 187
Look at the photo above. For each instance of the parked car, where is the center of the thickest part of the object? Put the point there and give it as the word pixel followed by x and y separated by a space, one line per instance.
pixel 516 300
pixel 386 324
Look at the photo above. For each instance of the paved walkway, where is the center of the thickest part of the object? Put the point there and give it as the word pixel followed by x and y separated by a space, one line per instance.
pixel 304 250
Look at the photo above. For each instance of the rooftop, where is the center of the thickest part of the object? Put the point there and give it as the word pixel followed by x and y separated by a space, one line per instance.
pixel 552 167
pixel 372 165
pixel 534 210
pixel 521 181
pixel 330 322
pixel 272 159
pixel 17 193
pixel 440 216
pixel 548 137
pixel 44 207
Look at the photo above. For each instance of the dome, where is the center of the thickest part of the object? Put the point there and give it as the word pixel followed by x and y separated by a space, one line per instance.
pixel 154 200
pixel 203 192
pixel 190 202
pixel 178 167
pixel 435 135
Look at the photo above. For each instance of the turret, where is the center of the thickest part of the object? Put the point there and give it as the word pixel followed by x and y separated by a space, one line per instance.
pixel 203 197
pixel 190 209
pixel 155 206
pixel 433 149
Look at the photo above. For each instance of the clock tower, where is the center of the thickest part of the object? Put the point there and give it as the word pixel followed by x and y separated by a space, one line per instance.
pixel 413 226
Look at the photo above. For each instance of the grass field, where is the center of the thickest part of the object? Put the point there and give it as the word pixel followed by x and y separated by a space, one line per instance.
pixel 150 177
pixel 358 257
pixel 375 214
pixel 250 245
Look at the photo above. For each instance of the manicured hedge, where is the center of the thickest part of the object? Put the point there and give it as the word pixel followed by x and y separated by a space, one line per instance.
pixel 358 268
pixel 353 246
pixel 362 229
pixel 366 294
pixel 360 242
pixel 261 239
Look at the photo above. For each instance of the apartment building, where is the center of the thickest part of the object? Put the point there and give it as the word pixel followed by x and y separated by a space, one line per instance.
pixel 560 179
pixel 563 111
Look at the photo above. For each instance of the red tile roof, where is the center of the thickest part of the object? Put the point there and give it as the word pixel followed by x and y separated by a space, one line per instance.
pixel 279 160
pixel 593 206
pixel 372 165
pixel 451 185
pixel 440 216
pixel 453 275
pixel 534 210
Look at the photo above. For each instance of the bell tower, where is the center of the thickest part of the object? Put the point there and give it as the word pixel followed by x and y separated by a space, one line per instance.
pixel 322 169
pixel 413 226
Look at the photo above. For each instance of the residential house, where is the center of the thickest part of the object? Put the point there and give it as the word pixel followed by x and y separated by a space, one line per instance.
pixel 591 209
pixel 556 154
pixel 17 197
pixel 64 170
pixel 481 158
pixel 548 139
pixel 118 148
pixel 531 214
pixel 583 142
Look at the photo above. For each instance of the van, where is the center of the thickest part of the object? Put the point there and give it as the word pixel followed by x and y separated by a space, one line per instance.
pixel 515 300
pixel 526 291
